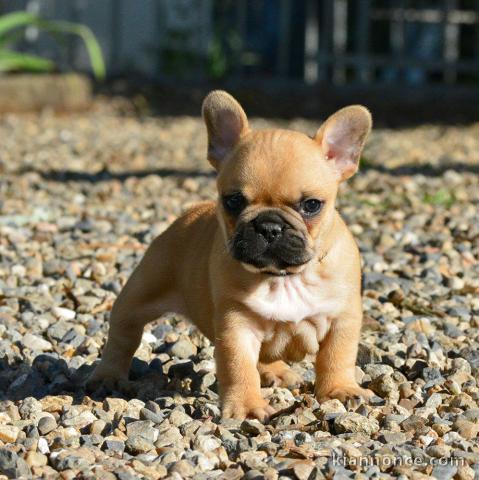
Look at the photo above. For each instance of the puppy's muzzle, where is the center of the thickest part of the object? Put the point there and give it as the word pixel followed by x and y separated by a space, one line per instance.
pixel 271 229
pixel 269 240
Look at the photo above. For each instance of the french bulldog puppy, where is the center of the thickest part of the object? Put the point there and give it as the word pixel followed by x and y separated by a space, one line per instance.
pixel 269 273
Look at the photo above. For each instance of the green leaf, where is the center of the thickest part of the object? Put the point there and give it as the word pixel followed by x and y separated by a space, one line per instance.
pixel 14 20
pixel 12 61
pixel 91 44
pixel 440 197
pixel 19 19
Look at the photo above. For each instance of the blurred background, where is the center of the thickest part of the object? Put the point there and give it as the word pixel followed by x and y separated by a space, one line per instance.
pixel 416 58
pixel 103 147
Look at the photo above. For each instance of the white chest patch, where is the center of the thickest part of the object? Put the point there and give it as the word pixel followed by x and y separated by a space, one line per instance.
pixel 292 299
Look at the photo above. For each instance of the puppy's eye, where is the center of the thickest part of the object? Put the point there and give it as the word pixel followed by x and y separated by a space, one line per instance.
pixel 234 203
pixel 310 207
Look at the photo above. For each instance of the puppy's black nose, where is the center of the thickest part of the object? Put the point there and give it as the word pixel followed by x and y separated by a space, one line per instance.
pixel 271 231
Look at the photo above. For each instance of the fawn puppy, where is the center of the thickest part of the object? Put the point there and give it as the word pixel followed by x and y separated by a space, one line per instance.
pixel 269 272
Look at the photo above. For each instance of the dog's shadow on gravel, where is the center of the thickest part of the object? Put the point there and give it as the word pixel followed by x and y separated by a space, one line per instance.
pixel 106 175
pixel 47 375
pixel 425 170
pixel 50 375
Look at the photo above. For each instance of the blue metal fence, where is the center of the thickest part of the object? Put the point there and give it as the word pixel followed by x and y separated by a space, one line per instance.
pixel 338 42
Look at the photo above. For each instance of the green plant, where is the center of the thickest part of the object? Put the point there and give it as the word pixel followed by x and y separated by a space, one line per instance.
pixel 441 197
pixel 11 60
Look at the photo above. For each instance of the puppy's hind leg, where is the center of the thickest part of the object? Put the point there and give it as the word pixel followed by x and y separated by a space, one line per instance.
pixel 146 296
pixel 124 337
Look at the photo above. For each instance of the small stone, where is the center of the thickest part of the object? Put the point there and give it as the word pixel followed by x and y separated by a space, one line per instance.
pixel 122 474
pixel 441 428
pixel 169 437
pixel 456 283
pixel 375 370
pixel 29 407
pixel 355 423
pixel 333 406
pixel 147 414
pixel 394 437
pixel 114 445
pixel 252 459
pixel 466 429
pixel 9 433
pixel 79 420
pixel 12 465
pixel 72 462
pixel 207 380
pixel 58 330
pixel 37 343
pixel 444 472
pixel 385 386
pixel 253 474
pixel 138 444
pixel 154 472
pixel 472 415
pixel 421 325
pixel 97 427
pixel 463 400
pixel 36 459
pixel 90 440
pixel 191 185
pixel 4 418
pixel 206 443
pixel 42 446
pixel 303 470
pixel 63 313
pixel 465 472
pixel 184 468
pixel 55 403
pixel 252 427
pixel 409 403
pixel 453 386
pixel 161 330
pixel 183 348
pixel 115 405
pixel 269 447
pixel 413 423
pixel 46 425
pixel 368 354
pixel 143 428
pixel 178 417
pixel 434 400
pixel 438 451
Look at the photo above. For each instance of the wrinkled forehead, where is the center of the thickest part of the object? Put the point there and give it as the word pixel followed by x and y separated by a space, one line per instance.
pixel 279 165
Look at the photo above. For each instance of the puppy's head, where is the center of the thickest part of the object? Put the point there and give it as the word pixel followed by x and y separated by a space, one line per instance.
pixel 277 188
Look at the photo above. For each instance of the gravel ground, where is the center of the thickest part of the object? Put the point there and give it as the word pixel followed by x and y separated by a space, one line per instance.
pixel 81 198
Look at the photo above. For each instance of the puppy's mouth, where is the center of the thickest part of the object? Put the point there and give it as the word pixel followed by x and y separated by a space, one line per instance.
pixel 268 244
pixel 274 271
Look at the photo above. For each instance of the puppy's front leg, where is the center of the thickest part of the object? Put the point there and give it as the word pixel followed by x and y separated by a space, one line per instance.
pixel 336 360
pixel 236 352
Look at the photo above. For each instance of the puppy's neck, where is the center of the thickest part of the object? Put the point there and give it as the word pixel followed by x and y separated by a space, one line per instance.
pixel 292 298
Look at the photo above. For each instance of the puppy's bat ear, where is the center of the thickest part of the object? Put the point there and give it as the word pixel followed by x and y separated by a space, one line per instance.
pixel 342 138
pixel 226 123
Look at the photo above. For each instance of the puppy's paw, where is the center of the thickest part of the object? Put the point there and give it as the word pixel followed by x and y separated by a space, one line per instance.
pixel 343 392
pixel 279 374
pixel 107 378
pixel 240 409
